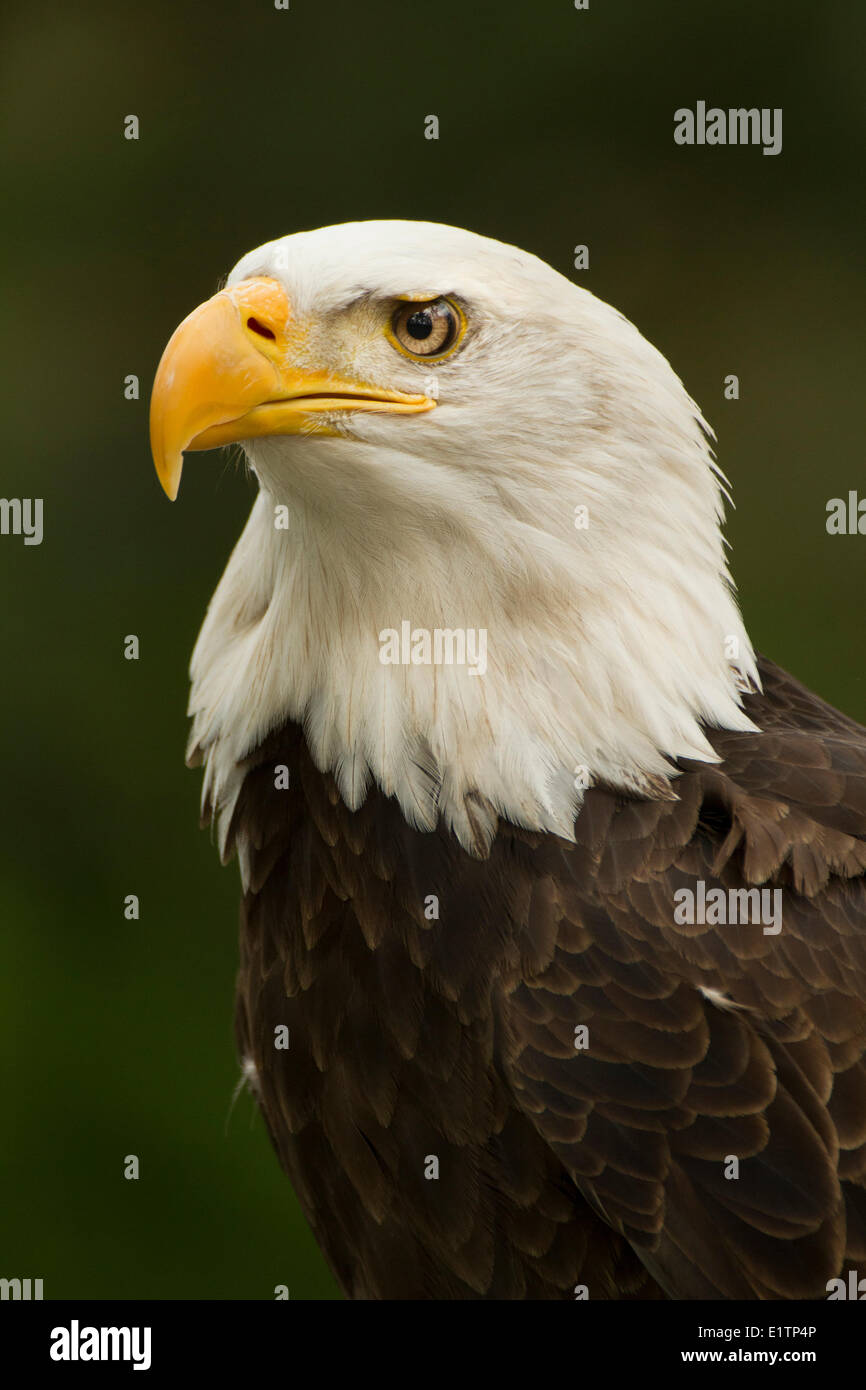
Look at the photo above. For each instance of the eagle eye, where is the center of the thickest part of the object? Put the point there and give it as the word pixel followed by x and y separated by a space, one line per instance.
pixel 427 330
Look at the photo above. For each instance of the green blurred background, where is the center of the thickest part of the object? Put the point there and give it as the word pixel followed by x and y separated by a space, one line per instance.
pixel 556 129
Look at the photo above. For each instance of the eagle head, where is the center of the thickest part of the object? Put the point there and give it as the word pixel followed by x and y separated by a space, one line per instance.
pixel 449 434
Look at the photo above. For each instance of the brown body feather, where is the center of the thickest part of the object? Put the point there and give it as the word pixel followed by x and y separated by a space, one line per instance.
pixel 455 1037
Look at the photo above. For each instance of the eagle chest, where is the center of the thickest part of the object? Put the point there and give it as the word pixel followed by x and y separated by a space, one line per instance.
pixel 371 960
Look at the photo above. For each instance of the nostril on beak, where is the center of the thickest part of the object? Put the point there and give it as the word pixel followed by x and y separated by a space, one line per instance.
pixel 256 326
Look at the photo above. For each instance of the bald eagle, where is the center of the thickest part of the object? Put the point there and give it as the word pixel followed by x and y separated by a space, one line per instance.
pixel 553 937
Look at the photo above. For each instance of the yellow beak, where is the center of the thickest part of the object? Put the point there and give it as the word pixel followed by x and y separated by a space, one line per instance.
pixel 227 375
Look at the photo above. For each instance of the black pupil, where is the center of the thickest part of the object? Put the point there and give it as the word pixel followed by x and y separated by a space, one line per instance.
pixel 420 324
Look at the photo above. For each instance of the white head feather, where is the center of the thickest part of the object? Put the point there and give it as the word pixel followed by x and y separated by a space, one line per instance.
pixel 608 647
